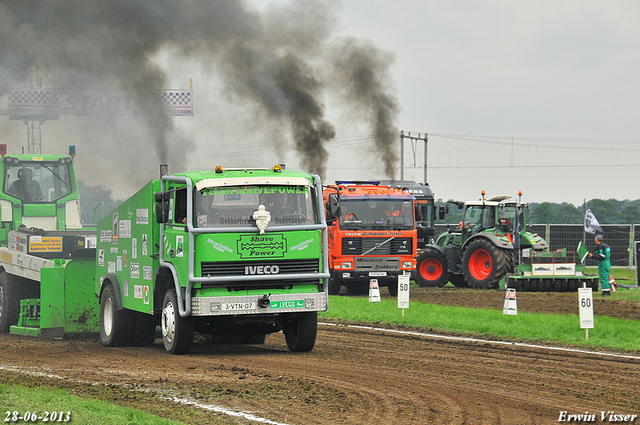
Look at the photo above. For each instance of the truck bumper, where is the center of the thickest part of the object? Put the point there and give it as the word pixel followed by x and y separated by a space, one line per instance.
pixel 253 304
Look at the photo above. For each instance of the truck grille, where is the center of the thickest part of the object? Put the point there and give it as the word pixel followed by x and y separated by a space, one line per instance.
pixel 358 246
pixel 237 268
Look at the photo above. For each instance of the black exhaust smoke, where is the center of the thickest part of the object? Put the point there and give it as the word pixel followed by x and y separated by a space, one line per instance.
pixel 274 60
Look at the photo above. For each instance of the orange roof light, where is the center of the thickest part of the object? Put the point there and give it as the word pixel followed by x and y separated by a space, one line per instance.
pixel 219 169
pixel 277 168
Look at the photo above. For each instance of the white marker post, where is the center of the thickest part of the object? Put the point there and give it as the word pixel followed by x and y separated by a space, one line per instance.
pixel 374 291
pixel 585 299
pixel 403 292
pixel 510 304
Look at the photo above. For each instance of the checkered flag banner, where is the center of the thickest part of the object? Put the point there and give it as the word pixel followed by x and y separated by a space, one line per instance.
pixel 33 97
pixel 33 103
pixel 179 102
pixel 48 104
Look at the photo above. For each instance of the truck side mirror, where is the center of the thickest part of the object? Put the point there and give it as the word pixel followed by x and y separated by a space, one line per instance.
pixel 442 211
pixel 162 208
pixel 333 207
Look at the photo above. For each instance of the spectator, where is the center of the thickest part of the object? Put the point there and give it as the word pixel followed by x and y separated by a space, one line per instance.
pixel 603 256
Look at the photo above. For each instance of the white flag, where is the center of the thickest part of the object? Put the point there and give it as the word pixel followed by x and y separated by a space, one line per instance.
pixel 591 224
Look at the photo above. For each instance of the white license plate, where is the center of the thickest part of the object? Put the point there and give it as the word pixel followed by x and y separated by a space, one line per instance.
pixel 238 306
pixel 377 274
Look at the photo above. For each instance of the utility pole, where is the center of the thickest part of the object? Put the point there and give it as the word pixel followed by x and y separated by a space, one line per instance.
pixel 413 137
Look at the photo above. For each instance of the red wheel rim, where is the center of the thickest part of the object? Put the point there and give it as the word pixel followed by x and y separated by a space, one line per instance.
pixel 431 269
pixel 480 264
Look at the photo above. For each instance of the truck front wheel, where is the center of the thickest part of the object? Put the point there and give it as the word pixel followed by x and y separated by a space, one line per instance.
pixel 115 325
pixel 334 286
pixel 301 332
pixel 177 331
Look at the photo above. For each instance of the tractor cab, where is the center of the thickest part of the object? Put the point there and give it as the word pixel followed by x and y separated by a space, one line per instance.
pixel 38 191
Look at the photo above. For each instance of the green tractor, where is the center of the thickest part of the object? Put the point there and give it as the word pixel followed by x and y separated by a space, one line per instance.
pixel 487 245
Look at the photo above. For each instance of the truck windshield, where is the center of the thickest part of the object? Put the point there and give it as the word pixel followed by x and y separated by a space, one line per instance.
pixel 234 206
pixel 38 182
pixel 376 214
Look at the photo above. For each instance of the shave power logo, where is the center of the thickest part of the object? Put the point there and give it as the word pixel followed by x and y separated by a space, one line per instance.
pixel 273 245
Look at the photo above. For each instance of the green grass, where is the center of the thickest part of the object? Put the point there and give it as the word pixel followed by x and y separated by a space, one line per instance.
pixel 609 333
pixel 21 399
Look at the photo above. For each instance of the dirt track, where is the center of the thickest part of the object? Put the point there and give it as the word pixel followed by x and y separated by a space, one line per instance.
pixel 353 376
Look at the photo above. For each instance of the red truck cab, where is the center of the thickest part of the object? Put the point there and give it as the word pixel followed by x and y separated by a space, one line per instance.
pixel 371 235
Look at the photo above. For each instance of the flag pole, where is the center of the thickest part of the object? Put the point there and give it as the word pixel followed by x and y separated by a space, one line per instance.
pixel 584 228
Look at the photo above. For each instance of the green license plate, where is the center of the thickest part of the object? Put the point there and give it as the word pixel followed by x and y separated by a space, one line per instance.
pixel 287 304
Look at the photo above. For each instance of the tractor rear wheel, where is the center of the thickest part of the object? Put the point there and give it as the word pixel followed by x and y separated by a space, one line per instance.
pixel 431 268
pixel 484 264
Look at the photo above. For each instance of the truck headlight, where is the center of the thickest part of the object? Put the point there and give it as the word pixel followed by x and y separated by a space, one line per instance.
pixel 346 264
pixel 407 264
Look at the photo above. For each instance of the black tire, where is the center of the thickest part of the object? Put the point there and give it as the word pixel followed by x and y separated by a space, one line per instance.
pixel 115 325
pixel 144 331
pixel 300 333
pixel 177 331
pixel 393 289
pixel 334 286
pixel 484 264
pixel 431 268
pixel 9 301
pixel 524 286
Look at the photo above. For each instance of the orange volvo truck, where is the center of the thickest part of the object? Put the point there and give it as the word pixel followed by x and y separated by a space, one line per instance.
pixel 371 235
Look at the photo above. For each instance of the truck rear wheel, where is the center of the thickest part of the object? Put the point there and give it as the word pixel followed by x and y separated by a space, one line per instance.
pixel 177 331
pixel 115 325
pixel 484 264
pixel 431 268
pixel 301 332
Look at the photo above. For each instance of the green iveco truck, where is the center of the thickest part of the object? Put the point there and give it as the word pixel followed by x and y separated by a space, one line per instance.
pixel 235 253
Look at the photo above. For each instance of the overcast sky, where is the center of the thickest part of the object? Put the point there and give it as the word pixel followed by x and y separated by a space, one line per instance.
pixel 542 97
